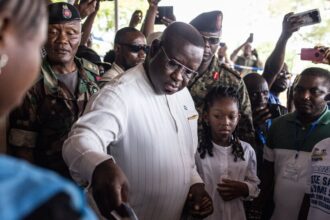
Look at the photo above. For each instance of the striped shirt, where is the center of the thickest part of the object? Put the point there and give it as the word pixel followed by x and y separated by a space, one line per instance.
pixel 153 138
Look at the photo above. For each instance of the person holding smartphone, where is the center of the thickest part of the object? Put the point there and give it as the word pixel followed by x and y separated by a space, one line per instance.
pixel 248 59
pixel 156 15
pixel 149 20
pixel 276 71
pixel 263 112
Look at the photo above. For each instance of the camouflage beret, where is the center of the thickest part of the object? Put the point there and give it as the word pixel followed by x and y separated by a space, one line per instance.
pixel 208 21
pixel 62 12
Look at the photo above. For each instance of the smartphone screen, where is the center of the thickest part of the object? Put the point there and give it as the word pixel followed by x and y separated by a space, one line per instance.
pixel 164 11
pixel 308 17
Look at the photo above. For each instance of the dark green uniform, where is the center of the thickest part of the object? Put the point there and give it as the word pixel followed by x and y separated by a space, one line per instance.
pixel 39 127
pixel 220 74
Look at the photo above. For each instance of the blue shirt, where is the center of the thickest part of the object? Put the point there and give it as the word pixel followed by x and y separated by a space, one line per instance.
pixel 23 188
pixel 273 99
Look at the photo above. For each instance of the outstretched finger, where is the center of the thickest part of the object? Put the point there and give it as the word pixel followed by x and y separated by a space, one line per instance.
pixel 105 203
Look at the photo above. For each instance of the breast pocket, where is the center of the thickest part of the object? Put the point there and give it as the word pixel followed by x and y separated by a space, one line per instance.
pixel 192 118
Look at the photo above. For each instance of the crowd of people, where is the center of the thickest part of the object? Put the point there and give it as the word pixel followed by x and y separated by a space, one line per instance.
pixel 167 126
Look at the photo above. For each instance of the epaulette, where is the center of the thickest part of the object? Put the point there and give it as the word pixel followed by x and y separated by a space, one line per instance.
pixel 89 66
pixel 44 70
pixel 231 70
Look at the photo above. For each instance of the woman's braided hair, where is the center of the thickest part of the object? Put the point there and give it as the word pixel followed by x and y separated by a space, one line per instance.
pixel 206 146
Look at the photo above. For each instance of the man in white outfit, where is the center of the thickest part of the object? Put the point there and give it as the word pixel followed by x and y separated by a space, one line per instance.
pixel 148 119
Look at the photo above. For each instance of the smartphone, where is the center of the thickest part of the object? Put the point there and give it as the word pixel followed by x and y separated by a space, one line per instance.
pixel 274 110
pixel 164 11
pixel 251 38
pixel 311 54
pixel 309 17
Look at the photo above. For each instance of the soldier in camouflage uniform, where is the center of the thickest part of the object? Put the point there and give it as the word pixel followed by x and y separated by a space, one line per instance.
pixel 212 73
pixel 40 126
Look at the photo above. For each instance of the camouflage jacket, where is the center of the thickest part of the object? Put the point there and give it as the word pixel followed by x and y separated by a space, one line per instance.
pixel 38 128
pixel 248 62
pixel 220 74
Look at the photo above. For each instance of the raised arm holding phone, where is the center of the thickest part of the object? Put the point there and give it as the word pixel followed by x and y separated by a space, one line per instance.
pixel 156 15
pixel 249 58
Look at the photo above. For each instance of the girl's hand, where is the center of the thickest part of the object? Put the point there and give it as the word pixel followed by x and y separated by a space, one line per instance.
pixel 232 189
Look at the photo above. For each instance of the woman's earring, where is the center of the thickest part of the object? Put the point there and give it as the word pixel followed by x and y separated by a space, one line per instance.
pixel 3 61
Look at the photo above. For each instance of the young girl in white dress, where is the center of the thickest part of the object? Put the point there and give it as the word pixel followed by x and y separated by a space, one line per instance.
pixel 226 164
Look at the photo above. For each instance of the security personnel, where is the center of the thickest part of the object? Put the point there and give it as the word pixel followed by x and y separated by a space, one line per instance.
pixel 212 73
pixel 39 127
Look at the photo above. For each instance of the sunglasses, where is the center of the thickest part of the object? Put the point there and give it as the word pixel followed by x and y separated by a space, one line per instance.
pixel 136 48
pixel 174 65
pixel 211 40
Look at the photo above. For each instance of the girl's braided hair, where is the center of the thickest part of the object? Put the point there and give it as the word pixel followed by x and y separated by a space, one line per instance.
pixel 206 146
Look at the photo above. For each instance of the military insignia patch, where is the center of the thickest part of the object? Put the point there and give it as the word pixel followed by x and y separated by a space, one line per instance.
pixel 215 75
pixel 66 12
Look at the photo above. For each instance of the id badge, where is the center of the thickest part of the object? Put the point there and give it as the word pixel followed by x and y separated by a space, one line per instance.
pixel 291 172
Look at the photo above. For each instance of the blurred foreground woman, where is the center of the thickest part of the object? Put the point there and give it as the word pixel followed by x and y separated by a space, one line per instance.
pixel 28 192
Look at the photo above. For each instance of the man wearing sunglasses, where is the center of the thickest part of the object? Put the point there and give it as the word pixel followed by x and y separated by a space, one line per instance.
pixel 130 50
pixel 212 72
pixel 141 129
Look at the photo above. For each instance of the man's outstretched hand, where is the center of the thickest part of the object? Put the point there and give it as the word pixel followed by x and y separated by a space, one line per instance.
pixel 199 203
pixel 110 187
